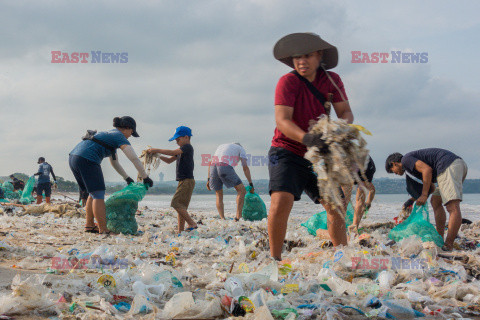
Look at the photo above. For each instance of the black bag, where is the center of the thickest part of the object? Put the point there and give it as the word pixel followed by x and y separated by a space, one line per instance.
pixel 90 135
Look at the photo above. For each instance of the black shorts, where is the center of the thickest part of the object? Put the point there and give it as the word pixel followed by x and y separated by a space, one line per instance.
pixel 369 171
pixel 291 173
pixel 47 187
pixel 88 174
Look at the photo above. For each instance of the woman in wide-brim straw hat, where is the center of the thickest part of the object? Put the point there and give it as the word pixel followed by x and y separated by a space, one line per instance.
pixel 295 106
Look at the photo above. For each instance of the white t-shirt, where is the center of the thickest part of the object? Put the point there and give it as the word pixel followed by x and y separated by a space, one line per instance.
pixel 229 153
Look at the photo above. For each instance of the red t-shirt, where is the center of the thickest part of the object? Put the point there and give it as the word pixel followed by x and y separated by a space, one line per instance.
pixel 292 92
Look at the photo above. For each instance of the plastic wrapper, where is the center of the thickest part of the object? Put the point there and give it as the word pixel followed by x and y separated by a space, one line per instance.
pixel 27 296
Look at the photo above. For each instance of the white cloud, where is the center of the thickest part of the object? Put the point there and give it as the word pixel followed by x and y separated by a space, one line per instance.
pixel 209 65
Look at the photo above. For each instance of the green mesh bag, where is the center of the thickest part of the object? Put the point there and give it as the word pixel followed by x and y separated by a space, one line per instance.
pixel 8 191
pixel 121 207
pixel 418 223
pixel 254 208
pixel 319 220
pixel 26 197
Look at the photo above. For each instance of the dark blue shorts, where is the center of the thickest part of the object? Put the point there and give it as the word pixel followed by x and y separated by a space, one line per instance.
pixel 44 187
pixel 88 174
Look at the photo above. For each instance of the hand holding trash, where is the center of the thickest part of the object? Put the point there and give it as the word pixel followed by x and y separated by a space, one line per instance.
pixel 129 180
pixel 422 200
pixel 315 140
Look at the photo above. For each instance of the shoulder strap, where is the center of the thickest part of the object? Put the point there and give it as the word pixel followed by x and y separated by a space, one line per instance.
pixel 311 87
pixel 90 136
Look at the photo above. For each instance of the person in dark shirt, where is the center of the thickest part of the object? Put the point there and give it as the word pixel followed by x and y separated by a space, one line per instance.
pixel 435 165
pixel 17 183
pixel 43 184
pixel 85 160
pixel 186 182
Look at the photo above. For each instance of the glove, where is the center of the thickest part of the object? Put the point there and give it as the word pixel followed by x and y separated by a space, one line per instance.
pixel 408 203
pixel 315 140
pixel 367 206
pixel 253 189
pixel 148 182
pixel 129 180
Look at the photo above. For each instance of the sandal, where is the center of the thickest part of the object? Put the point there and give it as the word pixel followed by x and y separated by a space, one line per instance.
pixel 444 248
pixel 106 234
pixel 191 229
pixel 93 229
pixel 236 219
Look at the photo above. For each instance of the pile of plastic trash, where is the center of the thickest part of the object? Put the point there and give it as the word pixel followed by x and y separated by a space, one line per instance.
pixel 8 192
pixel 222 270
pixel 67 209
pixel 341 164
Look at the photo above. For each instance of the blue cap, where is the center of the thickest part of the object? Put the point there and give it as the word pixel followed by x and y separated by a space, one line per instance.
pixel 181 132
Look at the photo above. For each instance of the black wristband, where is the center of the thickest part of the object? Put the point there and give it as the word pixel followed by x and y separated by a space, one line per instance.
pixel 251 184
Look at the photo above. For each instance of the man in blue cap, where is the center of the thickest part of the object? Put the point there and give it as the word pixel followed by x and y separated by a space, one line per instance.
pixel 186 181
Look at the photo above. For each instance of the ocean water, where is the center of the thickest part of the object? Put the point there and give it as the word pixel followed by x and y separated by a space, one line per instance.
pixel 384 208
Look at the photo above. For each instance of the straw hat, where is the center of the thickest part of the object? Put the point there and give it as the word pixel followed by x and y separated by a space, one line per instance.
pixel 298 44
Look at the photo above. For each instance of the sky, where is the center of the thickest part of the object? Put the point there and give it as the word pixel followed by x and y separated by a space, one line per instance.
pixel 208 64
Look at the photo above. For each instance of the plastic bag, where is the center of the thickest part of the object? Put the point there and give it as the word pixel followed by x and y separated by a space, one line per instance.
pixel 8 191
pixel 254 208
pixel 417 224
pixel 121 207
pixel 319 220
pixel 27 295
pixel 27 191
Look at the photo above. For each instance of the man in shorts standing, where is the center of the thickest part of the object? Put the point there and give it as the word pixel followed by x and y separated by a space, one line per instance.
pixel 295 106
pixel 221 172
pixel 43 183
pixel 186 181
pixel 449 171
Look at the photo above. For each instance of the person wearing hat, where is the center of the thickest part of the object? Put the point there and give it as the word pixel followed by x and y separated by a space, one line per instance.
pixel 184 175
pixel 85 161
pixel 296 104
pixel 43 183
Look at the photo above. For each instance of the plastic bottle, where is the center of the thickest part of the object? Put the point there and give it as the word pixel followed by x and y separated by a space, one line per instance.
pixel 234 287
pixel 398 311
pixel 385 280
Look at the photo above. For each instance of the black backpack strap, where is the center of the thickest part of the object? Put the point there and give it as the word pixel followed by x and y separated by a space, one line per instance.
pixel 311 87
pixel 90 136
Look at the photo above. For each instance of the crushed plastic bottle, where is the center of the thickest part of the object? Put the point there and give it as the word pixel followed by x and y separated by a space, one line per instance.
pixel 234 287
